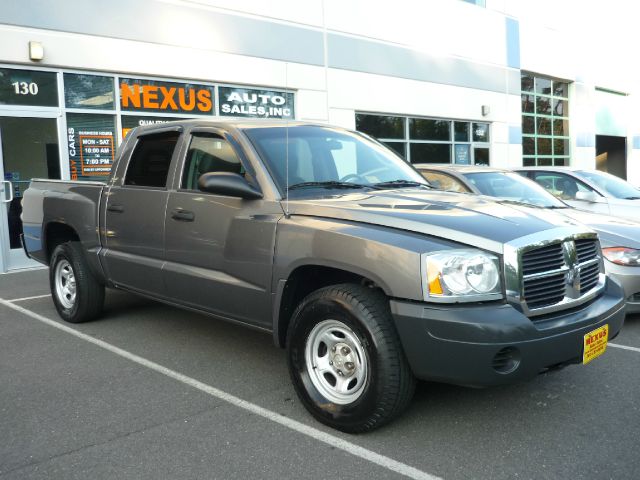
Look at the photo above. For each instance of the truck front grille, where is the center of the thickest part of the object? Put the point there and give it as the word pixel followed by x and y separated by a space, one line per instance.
pixel 560 275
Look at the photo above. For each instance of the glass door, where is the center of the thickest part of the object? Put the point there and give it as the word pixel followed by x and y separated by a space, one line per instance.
pixel 29 149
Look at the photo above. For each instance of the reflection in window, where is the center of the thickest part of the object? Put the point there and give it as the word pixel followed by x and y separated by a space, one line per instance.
pixel 425 129
pixel 381 126
pixel 88 91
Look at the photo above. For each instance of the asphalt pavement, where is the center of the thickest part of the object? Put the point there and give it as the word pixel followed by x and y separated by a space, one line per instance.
pixel 150 391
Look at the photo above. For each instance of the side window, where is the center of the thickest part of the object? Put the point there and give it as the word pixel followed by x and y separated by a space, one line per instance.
pixel 443 181
pixel 151 159
pixel 208 153
pixel 561 185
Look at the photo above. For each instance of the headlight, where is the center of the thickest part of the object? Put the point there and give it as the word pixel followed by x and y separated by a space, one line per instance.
pixel 622 256
pixel 461 276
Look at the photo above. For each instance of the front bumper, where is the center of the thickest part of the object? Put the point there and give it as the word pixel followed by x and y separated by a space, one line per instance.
pixel 629 278
pixel 459 343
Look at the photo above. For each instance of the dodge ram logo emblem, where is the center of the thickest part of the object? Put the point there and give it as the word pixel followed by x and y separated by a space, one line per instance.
pixel 573 277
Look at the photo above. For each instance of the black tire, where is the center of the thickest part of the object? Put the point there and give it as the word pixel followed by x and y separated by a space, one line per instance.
pixel 86 304
pixel 388 385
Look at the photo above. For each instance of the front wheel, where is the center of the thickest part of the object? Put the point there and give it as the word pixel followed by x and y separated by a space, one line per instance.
pixel 345 358
pixel 77 294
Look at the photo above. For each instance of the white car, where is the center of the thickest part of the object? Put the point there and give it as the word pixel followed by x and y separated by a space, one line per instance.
pixel 588 190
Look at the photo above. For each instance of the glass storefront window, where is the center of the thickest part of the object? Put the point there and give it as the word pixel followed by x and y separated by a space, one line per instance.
pixel 461 131
pixel 426 129
pixel 91 143
pixel 427 140
pixel 545 128
pixel 28 88
pixel 88 91
pixel 481 132
pixel 430 153
pixel 381 126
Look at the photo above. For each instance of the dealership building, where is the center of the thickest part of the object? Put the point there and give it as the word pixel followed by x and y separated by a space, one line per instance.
pixel 441 81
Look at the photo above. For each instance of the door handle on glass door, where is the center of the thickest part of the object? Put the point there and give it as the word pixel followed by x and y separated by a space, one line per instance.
pixel 4 196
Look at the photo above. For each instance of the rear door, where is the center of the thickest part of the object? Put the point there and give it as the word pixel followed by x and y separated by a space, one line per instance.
pixel 134 213
pixel 219 249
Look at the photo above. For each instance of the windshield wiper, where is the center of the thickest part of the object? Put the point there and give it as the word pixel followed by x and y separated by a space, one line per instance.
pixel 327 184
pixel 401 183
pixel 631 198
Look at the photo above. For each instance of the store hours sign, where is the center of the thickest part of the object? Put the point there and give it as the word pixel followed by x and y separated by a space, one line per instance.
pixel 255 103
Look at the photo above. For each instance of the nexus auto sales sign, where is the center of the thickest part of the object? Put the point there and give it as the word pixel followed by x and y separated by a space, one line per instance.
pixel 166 97
pixel 254 103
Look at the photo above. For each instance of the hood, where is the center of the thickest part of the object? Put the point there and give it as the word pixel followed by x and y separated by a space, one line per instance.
pixel 468 219
pixel 613 231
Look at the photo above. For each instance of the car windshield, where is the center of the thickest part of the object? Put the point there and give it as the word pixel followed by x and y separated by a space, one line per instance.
pixel 513 187
pixel 614 186
pixel 325 158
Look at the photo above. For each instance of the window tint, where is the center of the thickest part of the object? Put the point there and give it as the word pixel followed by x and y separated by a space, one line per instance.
pixel 150 161
pixel 208 153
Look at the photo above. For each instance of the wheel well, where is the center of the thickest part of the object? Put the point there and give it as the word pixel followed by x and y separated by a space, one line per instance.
pixel 306 279
pixel 56 234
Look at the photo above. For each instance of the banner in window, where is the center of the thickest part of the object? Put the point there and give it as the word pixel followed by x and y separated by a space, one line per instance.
pixel 91 144
pixel 254 103
pixel 28 87
pixel 138 95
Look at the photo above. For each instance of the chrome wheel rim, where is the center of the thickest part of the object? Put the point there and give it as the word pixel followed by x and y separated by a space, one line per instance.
pixel 336 362
pixel 65 284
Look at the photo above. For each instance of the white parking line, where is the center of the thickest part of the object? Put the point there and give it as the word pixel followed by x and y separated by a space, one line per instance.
pixel 299 427
pixel 23 299
pixel 624 347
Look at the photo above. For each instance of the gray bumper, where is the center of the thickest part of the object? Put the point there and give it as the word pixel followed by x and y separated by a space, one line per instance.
pixel 629 278
pixel 458 343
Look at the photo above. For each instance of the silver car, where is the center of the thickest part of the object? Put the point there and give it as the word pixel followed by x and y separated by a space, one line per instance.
pixel 589 190
pixel 619 238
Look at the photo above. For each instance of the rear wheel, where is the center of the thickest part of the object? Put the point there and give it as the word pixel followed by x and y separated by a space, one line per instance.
pixel 77 294
pixel 345 358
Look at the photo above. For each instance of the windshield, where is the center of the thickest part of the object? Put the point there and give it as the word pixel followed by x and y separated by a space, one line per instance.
pixel 511 186
pixel 614 186
pixel 323 157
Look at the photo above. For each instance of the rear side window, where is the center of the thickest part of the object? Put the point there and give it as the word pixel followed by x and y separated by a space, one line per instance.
pixel 151 159
pixel 208 153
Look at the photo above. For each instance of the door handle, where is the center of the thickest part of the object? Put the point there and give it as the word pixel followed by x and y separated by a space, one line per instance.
pixel 115 208
pixel 183 215
pixel 6 199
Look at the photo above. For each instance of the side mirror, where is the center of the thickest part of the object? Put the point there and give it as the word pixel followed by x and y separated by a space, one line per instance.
pixel 229 184
pixel 591 197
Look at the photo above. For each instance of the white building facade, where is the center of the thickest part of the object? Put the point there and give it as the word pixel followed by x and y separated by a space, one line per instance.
pixel 437 81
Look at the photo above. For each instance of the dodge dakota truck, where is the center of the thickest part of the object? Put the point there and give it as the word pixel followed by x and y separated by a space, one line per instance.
pixel 326 239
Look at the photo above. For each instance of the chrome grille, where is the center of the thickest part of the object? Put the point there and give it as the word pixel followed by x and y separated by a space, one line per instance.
pixel 543 259
pixel 552 276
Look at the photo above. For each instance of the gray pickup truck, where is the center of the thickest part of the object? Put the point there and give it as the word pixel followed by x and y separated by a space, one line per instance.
pixel 337 247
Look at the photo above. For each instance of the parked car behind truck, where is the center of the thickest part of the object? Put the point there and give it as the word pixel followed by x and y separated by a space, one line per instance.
pixel 338 248
pixel 619 238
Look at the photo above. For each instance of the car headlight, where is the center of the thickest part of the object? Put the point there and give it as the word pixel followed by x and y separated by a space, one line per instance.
pixel 622 256
pixel 464 275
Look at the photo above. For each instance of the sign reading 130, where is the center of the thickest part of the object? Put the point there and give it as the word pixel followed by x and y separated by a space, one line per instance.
pixel 36 88
pixel 25 88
